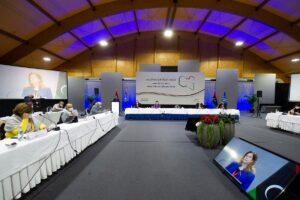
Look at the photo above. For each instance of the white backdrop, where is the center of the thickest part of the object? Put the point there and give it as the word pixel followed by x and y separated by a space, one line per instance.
pixel 294 88
pixel 184 88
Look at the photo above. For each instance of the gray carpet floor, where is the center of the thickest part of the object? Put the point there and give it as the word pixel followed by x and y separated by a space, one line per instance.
pixel 156 160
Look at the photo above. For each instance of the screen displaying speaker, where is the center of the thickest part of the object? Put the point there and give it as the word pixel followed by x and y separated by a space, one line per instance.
pixel 18 82
pixel 259 173
pixel 259 93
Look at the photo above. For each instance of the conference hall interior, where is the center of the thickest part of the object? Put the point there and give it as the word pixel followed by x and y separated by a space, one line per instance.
pixel 149 99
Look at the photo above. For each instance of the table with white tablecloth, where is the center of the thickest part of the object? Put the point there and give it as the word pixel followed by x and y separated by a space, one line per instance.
pixel 174 113
pixel 24 165
pixel 283 121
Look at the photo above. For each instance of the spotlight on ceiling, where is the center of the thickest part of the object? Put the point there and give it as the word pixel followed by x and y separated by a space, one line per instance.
pixel 239 43
pixel 168 33
pixel 103 43
pixel 294 60
pixel 47 59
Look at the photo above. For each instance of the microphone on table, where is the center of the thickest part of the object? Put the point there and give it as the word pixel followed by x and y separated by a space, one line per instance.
pixel 55 128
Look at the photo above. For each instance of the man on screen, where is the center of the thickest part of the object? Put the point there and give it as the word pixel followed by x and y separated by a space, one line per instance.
pixel 37 87
pixel 243 170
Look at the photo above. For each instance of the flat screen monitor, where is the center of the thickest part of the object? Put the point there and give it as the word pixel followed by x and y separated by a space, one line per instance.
pixel 18 82
pixel 259 173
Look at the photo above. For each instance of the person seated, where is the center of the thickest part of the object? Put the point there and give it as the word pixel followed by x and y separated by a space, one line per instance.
pixel 21 121
pixel 137 104
pixel 221 105
pixel 97 108
pixel 116 98
pixel 200 105
pixel 58 107
pixel 295 110
pixel 156 104
pixel 69 114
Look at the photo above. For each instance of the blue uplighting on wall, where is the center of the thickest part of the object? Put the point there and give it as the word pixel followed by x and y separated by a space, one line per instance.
pixel 129 94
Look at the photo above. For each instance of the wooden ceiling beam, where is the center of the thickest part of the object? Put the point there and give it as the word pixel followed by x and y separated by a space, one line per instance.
pixel 80 40
pixel 171 15
pixel 107 29
pixel 54 54
pixel 203 21
pixel 233 28
pixel 110 8
pixel 10 35
pixel 261 40
pixel 283 56
pixel 42 10
pixel 91 5
pixel 136 22
pixel 261 5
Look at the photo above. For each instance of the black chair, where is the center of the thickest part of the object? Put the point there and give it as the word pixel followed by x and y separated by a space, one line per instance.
pixel 2 131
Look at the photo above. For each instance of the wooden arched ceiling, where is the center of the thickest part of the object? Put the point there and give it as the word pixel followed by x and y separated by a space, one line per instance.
pixel 90 10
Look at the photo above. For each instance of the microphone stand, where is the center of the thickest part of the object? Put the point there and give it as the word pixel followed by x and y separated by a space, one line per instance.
pixel 56 128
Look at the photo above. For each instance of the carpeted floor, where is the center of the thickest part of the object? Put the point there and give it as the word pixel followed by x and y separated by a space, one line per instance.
pixel 156 160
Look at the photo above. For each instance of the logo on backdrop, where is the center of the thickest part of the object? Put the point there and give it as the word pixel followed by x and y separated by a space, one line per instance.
pixel 187 81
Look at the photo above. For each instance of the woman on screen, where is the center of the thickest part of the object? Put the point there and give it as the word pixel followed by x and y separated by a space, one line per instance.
pixel 36 87
pixel 243 170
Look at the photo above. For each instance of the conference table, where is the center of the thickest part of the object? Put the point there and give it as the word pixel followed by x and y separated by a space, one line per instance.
pixel 41 153
pixel 285 122
pixel 174 113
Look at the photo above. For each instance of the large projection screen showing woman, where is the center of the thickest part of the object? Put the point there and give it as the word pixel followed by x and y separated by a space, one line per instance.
pixel 294 88
pixel 18 82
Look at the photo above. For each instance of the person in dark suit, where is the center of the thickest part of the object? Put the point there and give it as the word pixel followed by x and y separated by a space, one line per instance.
pixel 200 105
pixel 243 170
pixel 37 87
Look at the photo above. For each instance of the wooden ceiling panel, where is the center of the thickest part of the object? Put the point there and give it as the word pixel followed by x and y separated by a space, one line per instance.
pixel 60 43
pixel 189 18
pixel 7 44
pixel 99 2
pixel 61 9
pixel 35 60
pixel 20 18
pixel 287 66
pixel 288 9
pixel 251 2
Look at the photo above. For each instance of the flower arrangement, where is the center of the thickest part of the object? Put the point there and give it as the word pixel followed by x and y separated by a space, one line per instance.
pixel 215 129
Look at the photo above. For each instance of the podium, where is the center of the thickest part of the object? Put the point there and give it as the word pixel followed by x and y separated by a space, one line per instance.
pixel 115 107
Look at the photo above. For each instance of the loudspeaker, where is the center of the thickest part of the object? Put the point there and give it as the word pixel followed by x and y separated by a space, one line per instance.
pixel 96 91
pixel 259 93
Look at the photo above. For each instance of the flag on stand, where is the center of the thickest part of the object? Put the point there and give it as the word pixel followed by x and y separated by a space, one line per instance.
pixel 215 100
pixel 225 100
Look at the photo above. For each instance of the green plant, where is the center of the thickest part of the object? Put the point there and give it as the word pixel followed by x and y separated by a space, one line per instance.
pixel 90 98
pixel 251 99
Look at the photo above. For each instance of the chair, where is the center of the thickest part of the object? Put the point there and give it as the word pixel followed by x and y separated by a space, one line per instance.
pixel 2 131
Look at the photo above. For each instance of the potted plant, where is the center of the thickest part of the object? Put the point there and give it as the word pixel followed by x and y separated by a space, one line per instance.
pixel 227 127
pixel 208 131
pixel 251 100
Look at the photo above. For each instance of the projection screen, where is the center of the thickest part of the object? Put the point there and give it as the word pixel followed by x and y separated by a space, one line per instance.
pixel 294 88
pixel 17 82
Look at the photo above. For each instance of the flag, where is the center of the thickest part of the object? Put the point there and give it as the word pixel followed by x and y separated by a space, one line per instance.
pixel 225 100
pixel 215 100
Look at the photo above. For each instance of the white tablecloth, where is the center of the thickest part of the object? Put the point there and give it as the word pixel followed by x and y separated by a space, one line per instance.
pixel 188 111
pixel 30 161
pixel 285 122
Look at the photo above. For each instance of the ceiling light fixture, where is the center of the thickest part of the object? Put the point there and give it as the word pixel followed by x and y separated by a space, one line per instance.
pixel 47 59
pixel 294 60
pixel 239 43
pixel 168 33
pixel 103 43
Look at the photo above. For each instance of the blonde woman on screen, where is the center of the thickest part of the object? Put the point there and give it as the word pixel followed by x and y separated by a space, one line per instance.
pixel 37 87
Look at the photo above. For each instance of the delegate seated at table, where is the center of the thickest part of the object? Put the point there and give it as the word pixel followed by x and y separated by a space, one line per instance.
pixel 69 114
pixel 295 110
pixel 22 121
pixel 97 108
pixel 156 104
pixel 58 107
pixel 137 104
